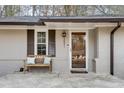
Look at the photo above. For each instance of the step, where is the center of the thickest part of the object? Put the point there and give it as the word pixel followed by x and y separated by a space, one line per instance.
pixel 78 70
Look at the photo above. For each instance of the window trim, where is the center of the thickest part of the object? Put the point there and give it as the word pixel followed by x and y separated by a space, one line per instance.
pixel 35 37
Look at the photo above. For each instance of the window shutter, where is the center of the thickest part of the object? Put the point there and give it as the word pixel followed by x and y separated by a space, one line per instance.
pixel 51 43
pixel 30 42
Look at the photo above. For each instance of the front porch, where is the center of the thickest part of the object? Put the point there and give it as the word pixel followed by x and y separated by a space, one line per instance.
pixel 45 80
pixel 20 44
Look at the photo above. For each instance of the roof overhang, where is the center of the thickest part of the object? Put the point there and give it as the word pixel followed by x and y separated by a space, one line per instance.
pixel 53 19
pixel 22 23
pixel 83 19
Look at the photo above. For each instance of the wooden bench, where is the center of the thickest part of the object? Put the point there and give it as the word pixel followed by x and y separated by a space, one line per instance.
pixel 28 66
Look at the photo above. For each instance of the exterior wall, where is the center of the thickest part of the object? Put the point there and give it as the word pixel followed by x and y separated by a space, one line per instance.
pixel 103 50
pixel 95 49
pixel 91 46
pixel 13 46
pixel 61 61
pixel 99 47
pixel 119 53
pixel 16 48
pixel 13 49
pixel 8 67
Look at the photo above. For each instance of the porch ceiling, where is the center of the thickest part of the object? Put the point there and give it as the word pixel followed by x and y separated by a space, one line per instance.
pixel 69 25
pixel 61 25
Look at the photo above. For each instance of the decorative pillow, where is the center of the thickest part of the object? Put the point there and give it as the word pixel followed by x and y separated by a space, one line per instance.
pixel 39 59
pixel 30 60
pixel 47 60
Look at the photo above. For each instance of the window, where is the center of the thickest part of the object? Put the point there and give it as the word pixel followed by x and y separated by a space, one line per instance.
pixel 41 43
pixel 45 42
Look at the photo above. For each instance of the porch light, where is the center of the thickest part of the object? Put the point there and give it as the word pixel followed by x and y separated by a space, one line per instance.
pixel 64 34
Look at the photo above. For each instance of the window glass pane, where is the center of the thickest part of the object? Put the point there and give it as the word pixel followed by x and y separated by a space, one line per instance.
pixel 41 52
pixel 41 49
pixel 43 40
pixel 43 46
pixel 39 46
pixel 41 37
pixel 43 34
pixel 39 34
pixel 39 40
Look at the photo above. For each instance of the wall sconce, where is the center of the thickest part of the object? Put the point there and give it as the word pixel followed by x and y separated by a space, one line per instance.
pixel 64 35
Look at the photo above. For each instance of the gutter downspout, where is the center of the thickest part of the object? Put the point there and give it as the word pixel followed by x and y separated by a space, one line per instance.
pixel 112 48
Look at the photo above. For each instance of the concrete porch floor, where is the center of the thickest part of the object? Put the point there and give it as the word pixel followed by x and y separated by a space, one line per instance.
pixel 46 80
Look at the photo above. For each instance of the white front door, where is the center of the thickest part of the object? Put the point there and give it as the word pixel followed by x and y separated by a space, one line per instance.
pixel 78 51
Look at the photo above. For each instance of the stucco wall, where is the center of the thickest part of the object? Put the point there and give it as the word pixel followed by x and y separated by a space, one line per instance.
pixel 103 50
pixel 91 43
pixel 119 53
pixel 13 44
pixel 61 61
pixel 13 47
pixel 8 67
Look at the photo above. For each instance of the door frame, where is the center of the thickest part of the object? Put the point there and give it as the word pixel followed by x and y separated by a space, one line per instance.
pixel 70 48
